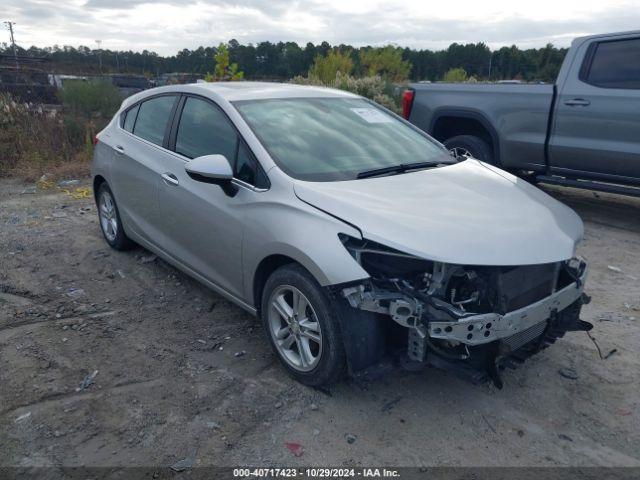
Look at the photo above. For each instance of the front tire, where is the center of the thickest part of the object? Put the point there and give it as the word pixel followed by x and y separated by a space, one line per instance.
pixel 302 326
pixel 471 145
pixel 110 222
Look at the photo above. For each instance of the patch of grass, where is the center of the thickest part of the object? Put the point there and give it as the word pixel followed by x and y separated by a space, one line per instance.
pixel 57 142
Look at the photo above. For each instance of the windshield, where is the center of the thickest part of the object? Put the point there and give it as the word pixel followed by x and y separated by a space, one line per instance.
pixel 327 139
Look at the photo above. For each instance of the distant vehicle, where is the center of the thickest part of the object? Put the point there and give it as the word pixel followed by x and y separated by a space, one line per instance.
pixel 584 131
pixel 58 80
pixel 348 231
pixel 129 84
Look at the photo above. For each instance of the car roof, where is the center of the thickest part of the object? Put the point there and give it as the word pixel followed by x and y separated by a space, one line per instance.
pixel 236 91
pixel 233 91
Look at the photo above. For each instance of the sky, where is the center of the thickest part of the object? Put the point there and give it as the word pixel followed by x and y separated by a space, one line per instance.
pixel 171 25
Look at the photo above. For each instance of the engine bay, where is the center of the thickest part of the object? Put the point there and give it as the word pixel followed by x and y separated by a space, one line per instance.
pixel 451 310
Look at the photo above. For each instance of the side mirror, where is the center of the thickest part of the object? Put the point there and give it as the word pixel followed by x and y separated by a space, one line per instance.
pixel 460 154
pixel 214 169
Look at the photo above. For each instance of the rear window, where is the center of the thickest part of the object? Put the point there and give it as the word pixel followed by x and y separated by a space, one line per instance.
pixel 153 117
pixel 616 65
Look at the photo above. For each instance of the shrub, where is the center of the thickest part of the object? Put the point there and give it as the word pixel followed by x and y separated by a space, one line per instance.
pixel 386 62
pixel 455 75
pixel 90 99
pixel 326 68
pixel 376 88
pixel 223 71
pixel 34 141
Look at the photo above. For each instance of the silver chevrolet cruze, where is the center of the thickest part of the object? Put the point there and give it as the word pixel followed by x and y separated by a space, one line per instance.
pixel 355 237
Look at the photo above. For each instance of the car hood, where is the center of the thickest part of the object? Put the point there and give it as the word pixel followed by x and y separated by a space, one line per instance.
pixel 468 213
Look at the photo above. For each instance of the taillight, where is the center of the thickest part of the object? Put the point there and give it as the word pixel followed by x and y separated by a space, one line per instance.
pixel 407 102
pixel 95 139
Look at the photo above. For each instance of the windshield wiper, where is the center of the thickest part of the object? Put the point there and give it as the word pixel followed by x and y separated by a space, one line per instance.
pixel 401 168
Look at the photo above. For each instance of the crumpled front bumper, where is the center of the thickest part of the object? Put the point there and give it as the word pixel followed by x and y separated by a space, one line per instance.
pixel 484 328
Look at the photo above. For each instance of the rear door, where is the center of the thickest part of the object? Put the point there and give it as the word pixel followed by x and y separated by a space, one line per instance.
pixel 597 118
pixel 138 162
pixel 203 225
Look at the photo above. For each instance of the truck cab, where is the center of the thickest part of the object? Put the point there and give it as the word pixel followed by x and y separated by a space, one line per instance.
pixel 583 131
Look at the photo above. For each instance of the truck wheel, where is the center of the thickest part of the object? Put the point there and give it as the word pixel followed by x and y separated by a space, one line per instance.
pixel 470 145
pixel 302 326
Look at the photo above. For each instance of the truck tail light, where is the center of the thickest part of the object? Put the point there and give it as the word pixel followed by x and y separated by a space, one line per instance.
pixel 407 102
pixel 95 139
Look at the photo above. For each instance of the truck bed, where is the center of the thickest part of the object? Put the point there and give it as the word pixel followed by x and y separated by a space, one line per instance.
pixel 520 112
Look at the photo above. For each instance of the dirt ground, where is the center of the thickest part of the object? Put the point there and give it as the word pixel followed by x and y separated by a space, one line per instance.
pixel 172 381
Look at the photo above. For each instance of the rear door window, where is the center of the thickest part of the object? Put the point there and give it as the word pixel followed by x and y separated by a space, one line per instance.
pixel 616 64
pixel 153 117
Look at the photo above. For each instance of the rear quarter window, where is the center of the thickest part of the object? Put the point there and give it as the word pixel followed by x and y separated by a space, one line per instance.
pixel 130 118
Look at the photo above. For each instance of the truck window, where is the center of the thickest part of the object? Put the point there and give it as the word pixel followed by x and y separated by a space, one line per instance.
pixel 616 64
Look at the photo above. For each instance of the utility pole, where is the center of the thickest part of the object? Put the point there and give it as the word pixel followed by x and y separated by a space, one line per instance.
pixel 13 42
pixel 490 61
pixel 99 42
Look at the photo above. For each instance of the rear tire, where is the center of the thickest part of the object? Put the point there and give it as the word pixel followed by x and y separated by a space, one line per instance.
pixel 313 328
pixel 110 222
pixel 474 146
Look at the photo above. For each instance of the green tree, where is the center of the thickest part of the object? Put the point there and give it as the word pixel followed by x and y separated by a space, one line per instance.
pixel 455 75
pixel 282 60
pixel 386 62
pixel 325 68
pixel 224 71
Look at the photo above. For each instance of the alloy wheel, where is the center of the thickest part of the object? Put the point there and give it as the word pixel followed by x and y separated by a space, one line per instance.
pixel 108 217
pixel 294 328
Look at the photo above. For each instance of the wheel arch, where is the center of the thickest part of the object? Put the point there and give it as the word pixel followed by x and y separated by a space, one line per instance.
pixel 97 181
pixel 263 271
pixel 276 259
pixel 362 332
pixel 447 123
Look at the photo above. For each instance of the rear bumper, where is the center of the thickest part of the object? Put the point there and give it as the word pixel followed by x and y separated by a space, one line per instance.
pixel 485 328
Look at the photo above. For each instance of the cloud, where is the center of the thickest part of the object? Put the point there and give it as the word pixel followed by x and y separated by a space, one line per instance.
pixel 170 25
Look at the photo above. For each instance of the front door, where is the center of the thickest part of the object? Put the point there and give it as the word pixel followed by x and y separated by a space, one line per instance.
pixel 202 223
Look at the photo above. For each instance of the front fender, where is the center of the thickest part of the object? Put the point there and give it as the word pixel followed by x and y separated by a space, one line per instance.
pixel 304 234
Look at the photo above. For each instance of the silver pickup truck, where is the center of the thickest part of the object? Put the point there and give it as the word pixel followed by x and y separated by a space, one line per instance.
pixel 584 131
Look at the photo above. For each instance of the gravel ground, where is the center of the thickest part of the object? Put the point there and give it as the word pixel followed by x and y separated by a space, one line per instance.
pixel 165 378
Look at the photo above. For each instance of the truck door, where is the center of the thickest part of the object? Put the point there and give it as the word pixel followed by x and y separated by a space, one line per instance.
pixel 596 128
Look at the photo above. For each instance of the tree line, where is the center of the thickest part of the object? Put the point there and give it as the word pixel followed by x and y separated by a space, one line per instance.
pixel 284 60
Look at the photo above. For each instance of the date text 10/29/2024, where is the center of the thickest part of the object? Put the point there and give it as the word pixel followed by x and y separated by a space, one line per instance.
pixel 316 472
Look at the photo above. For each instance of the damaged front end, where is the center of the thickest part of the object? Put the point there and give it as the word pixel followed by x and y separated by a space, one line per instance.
pixel 473 319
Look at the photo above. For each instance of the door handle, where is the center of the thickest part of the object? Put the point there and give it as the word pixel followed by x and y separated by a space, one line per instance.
pixel 577 102
pixel 119 149
pixel 170 179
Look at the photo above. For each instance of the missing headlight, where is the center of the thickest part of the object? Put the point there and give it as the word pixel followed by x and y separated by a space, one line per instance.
pixel 384 263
